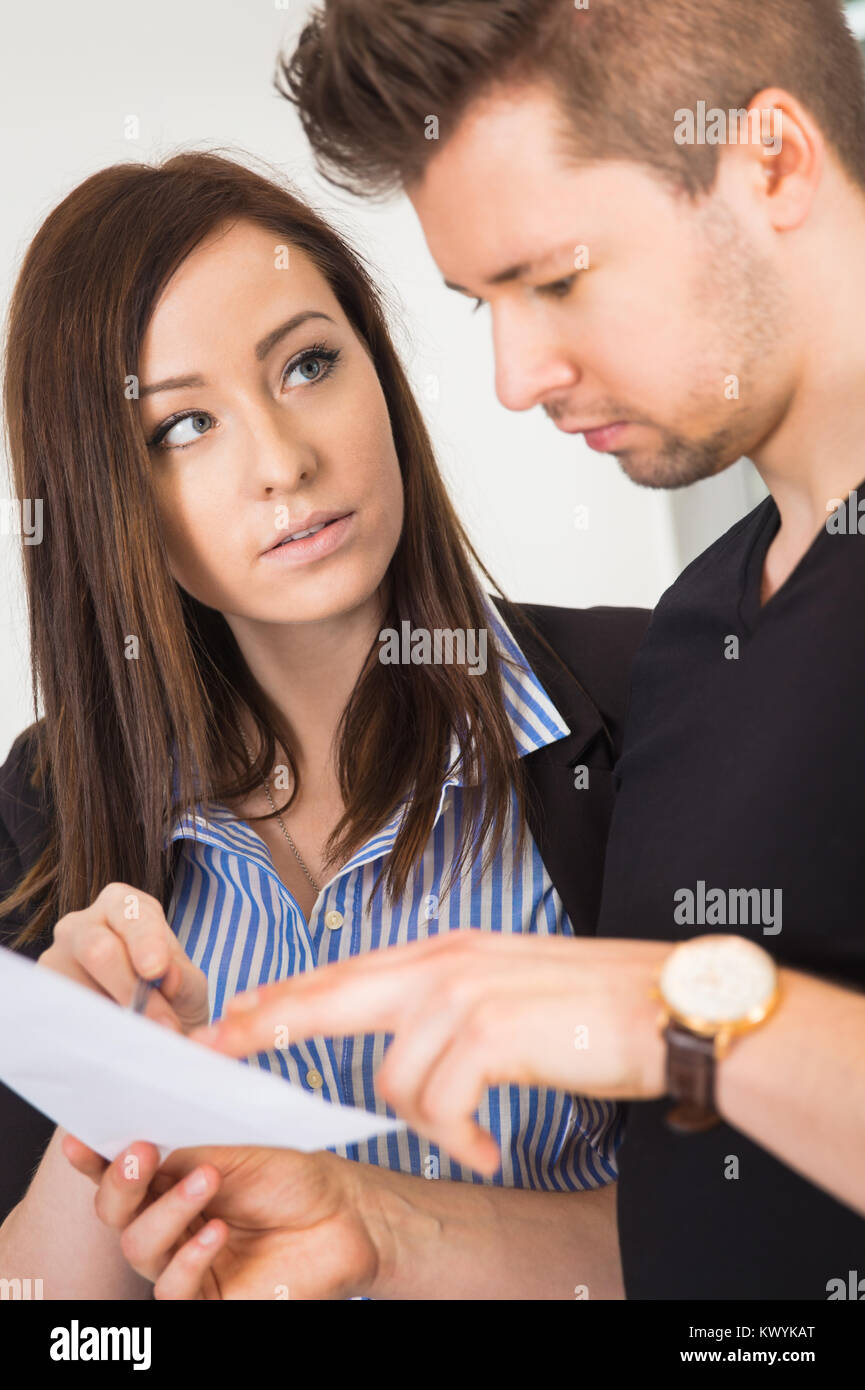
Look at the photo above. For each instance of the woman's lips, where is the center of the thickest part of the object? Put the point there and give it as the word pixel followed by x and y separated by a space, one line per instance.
pixel 324 542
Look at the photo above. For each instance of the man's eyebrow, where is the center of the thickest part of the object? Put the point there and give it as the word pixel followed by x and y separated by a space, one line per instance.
pixel 514 272
pixel 262 349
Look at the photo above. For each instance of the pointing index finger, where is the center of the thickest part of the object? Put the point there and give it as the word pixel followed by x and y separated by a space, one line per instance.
pixel 308 1006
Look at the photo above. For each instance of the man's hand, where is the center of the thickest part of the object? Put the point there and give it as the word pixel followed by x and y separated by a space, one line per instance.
pixel 236 1223
pixel 472 1010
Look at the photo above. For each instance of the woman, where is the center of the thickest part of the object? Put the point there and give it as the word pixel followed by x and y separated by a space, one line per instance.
pixel 242 502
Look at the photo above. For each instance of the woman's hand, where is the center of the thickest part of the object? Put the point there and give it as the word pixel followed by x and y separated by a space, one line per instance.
pixel 237 1223
pixel 122 936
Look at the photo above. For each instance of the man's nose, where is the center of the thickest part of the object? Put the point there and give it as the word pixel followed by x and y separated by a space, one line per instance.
pixel 532 364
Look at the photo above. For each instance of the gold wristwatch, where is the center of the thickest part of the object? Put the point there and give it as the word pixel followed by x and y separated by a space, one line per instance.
pixel 713 989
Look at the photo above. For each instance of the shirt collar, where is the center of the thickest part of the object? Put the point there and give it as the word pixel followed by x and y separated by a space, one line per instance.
pixel 534 719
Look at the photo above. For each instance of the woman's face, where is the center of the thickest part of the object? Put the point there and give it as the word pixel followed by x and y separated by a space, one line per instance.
pixel 283 425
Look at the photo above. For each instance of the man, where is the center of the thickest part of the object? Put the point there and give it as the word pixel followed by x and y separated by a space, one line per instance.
pixel 663 206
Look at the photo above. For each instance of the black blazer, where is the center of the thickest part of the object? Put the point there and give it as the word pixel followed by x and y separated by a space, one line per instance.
pixel 587 676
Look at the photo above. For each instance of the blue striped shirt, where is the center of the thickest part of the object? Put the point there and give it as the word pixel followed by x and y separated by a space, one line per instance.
pixel 238 922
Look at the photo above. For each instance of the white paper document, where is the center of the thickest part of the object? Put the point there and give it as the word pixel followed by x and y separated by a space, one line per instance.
pixel 110 1076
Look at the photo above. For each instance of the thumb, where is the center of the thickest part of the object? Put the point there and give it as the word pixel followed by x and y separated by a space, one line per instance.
pixel 185 988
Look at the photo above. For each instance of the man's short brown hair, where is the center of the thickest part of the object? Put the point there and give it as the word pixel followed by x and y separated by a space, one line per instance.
pixel 367 76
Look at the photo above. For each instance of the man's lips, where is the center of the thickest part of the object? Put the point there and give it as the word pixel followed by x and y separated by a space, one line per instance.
pixel 602 438
pixel 605 439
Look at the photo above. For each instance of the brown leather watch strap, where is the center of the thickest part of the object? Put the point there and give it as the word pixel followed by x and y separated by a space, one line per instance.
pixel 690 1079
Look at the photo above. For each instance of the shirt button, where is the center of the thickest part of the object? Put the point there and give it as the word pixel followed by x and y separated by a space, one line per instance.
pixel 333 919
pixel 314 1079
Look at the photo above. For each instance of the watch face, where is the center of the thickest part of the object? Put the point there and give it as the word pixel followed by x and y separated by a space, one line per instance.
pixel 718 979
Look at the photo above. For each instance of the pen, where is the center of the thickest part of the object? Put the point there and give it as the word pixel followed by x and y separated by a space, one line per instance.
pixel 142 993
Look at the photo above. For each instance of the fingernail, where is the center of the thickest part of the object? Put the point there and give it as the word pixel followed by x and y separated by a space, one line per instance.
pixel 241 1002
pixel 196 1184
pixel 208 1235
pixel 151 962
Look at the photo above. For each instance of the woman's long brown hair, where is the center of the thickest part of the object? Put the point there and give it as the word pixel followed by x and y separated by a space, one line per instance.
pixel 114 708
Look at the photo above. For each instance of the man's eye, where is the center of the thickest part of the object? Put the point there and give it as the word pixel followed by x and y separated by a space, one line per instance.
pixel 558 289
pixel 183 431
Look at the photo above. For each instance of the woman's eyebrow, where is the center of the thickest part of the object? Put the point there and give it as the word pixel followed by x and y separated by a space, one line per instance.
pixel 264 347
pixel 175 383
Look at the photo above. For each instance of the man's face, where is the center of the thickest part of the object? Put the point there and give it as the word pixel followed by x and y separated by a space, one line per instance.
pixel 639 319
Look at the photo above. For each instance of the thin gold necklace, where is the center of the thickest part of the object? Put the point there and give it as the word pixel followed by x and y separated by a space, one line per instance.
pixel 297 854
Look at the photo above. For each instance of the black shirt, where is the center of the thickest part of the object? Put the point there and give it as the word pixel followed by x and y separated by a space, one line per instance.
pixel 743 772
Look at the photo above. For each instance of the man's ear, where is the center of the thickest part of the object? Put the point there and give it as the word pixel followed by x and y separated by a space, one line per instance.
pixel 787 152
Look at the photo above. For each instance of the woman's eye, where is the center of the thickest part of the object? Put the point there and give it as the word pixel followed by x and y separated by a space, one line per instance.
pixel 184 431
pixel 313 367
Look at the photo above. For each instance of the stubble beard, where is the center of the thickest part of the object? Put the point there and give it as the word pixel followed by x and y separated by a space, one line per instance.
pixel 678 462
pixel 738 293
